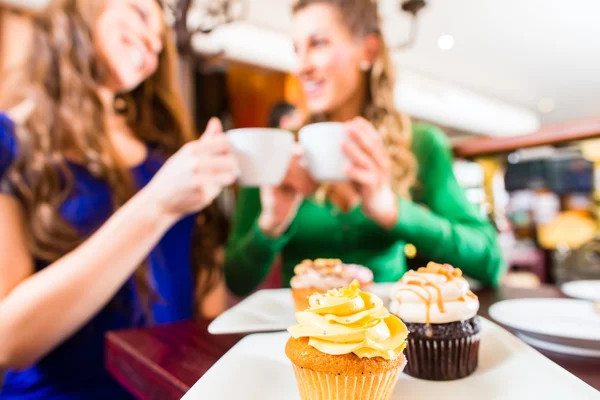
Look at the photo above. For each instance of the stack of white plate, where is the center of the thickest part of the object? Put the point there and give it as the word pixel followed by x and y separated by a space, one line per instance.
pixel 568 326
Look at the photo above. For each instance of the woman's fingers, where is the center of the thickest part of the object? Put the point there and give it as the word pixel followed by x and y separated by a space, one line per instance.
pixel 358 134
pixel 212 184
pixel 213 128
pixel 298 177
pixel 358 156
pixel 224 178
pixel 217 164
pixel 382 156
pixel 363 177
pixel 364 134
pixel 212 141
pixel 217 144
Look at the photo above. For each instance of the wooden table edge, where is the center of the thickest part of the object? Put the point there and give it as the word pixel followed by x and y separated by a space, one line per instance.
pixel 114 343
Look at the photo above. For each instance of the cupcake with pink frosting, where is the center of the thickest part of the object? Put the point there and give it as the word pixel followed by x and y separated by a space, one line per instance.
pixel 323 274
pixel 440 311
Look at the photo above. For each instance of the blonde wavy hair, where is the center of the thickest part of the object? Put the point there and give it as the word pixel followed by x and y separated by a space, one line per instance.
pixel 66 124
pixel 362 19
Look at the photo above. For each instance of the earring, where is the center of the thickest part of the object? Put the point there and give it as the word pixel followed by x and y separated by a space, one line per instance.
pixel 365 65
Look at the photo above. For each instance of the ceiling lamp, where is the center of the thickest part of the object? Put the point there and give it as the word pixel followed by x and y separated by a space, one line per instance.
pixel 412 7
pixel 188 17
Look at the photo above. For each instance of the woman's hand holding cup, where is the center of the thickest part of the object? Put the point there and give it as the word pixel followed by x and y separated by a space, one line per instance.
pixel 280 203
pixel 370 171
pixel 194 176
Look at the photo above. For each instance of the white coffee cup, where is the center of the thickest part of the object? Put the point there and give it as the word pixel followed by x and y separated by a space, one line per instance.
pixel 322 144
pixel 263 154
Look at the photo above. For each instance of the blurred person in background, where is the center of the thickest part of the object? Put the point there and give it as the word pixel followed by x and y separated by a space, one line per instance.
pixel 285 116
pixel 101 184
pixel 401 190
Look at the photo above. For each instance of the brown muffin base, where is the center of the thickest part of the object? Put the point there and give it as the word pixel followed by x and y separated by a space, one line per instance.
pixel 322 376
pixel 305 356
pixel 313 385
pixel 443 352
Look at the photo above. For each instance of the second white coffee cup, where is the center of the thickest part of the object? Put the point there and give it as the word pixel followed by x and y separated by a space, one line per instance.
pixel 263 154
pixel 322 143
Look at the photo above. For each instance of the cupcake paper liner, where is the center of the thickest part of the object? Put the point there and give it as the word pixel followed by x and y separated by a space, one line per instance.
pixel 442 359
pixel 314 385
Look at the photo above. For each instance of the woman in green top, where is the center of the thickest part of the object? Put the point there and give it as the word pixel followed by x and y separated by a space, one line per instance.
pixel 402 188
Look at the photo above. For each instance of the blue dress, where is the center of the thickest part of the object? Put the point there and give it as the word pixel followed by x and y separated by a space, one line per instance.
pixel 75 369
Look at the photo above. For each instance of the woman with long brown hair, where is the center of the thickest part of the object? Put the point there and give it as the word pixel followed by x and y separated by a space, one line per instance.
pixel 395 169
pixel 101 182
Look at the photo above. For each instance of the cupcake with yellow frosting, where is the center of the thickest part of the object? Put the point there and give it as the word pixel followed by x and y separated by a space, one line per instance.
pixel 346 346
pixel 324 274
pixel 441 313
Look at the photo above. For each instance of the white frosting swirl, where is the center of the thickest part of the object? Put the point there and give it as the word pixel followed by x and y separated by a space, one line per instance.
pixel 313 278
pixel 429 297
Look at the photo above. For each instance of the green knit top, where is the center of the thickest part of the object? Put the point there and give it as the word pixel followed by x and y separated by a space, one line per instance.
pixel 438 221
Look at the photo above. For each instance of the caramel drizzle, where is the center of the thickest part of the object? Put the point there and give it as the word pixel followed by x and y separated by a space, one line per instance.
pixel 469 294
pixel 428 300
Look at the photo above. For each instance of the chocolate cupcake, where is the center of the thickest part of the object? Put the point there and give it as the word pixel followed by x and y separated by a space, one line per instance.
pixel 440 313
pixel 324 274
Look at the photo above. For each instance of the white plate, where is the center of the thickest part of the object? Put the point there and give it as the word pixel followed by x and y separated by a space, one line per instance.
pixel 269 310
pixel 559 318
pixel 585 290
pixel 273 310
pixel 558 347
pixel 257 369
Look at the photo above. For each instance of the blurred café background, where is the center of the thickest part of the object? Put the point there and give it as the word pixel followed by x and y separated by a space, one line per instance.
pixel 514 84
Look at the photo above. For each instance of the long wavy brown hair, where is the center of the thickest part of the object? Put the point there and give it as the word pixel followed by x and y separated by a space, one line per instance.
pixel 362 19
pixel 67 124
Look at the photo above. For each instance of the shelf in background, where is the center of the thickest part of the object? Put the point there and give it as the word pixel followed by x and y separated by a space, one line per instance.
pixel 548 135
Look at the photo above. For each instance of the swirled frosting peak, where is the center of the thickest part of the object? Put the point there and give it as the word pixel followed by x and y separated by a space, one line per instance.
pixel 329 273
pixel 434 294
pixel 348 320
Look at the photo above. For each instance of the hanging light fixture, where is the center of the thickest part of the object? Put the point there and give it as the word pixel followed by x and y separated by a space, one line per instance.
pixel 205 15
pixel 412 7
pixel 188 17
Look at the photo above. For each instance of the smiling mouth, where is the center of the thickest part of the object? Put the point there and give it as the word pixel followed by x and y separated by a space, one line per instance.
pixel 313 88
pixel 136 56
